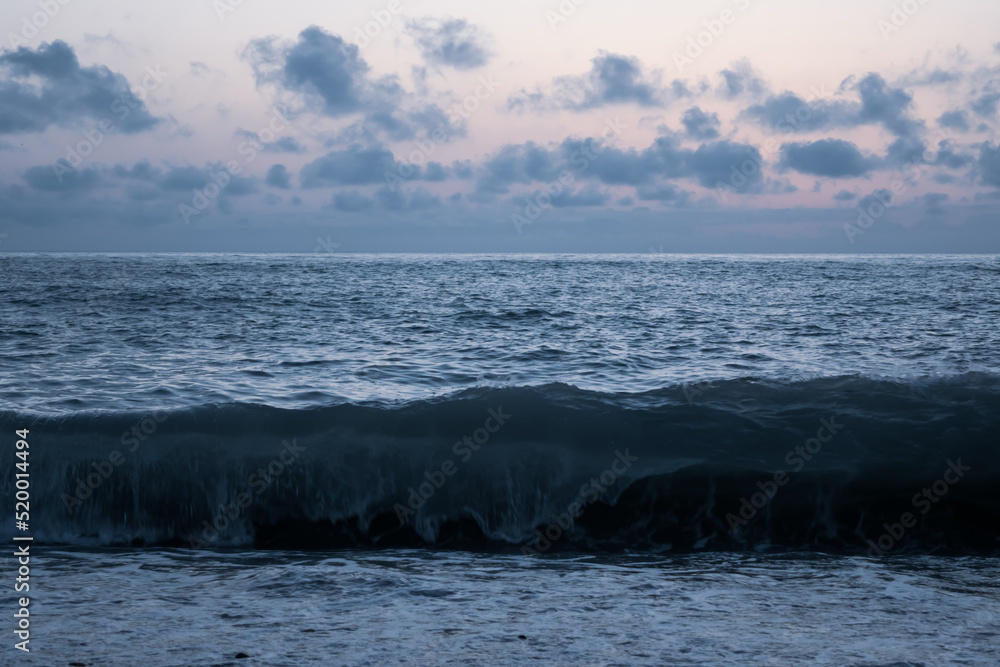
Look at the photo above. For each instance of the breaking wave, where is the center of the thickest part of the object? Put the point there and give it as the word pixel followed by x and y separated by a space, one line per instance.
pixel 847 463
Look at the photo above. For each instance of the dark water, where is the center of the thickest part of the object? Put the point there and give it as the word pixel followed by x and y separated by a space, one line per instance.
pixel 805 446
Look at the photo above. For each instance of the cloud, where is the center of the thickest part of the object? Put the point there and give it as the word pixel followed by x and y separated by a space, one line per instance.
pixel 525 163
pixel 45 178
pixel 889 106
pixel 435 172
pixel 278 177
pixel 700 125
pixel 200 69
pixel 935 202
pixel 326 75
pixel 587 160
pixel 878 103
pixel 787 112
pixel 183 179
pixel 352 166
pixel 827 157
pixel 452 42
pixel 421 199
pixel 742 78
pixel 318 65
pixel 582 198
pixel 924 77
pixel 844 195
pixel 66 95
pixel 716 163
pixel 138 194
pixel 661 193
pixel 352 201
pixel 986 105
pixel 612 79
pixel 614 166
pixel 954 120
pixel 282 145
pixel 989 164
pixel 399 200
pixel 905 150
pixel 948 157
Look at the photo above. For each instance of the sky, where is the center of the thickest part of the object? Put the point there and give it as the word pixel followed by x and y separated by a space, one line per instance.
pixel 443 126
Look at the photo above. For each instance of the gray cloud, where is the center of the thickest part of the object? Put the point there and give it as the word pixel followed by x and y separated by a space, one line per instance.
pixel 281 145
pixel 278 177
pixel 889 106
pixel 612 79
pixel 661 193
pixel 352 166
pixel 741 78
pixel 989 164
pixel 986 105
pixel 904 150
pixel 833 158
pixel 352 201
pixel 45 178
pixel 700 125
pixel 954 120
pixel 452 42
pixel 385 198
pixel 67 95
pixel 787 112
pixel 935 202
pixel 878 103
pixel 708 165
pixel 319 65
pixel 329 77
pixel 524 163
pixel 581 198
pixel 716 163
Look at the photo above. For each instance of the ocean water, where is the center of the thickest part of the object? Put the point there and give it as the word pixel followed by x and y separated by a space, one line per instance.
pixel 415 459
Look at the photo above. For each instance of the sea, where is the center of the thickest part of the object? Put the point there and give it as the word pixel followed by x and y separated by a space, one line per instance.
pixel 649 459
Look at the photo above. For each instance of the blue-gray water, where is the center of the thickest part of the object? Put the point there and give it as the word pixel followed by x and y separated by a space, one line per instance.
pixel 132 332
pixel 423 427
